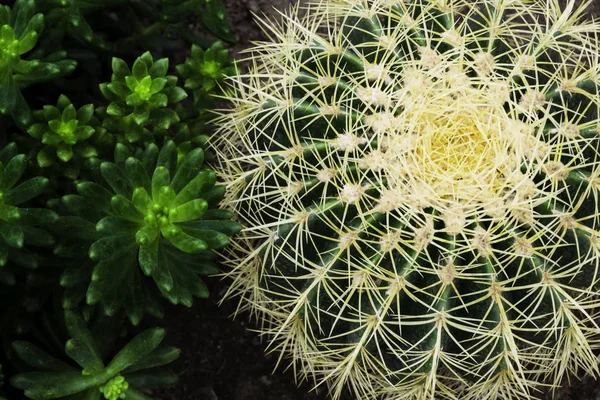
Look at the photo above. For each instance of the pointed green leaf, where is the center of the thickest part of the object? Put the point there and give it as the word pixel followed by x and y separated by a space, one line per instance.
pixel 138 348
pixel 13 172
pixel 84 356
pixel 196 188
pixel 183 241
pixel 123 208
pixel 214 239
pixel 120 69
pixel 168 157
pixel 139 69
pixel 115 226
pixel 160 178
pixel 13 235
pixel 148 257
pixel 175 94
pixel 26 190
pixel 37 358
pixel 109 247
pixel 137 174
pixel 116 178
pixel 159 68
pixel 46 386
pixel 188 211
pixel 64 152
pixel 189 167
pixel 159 357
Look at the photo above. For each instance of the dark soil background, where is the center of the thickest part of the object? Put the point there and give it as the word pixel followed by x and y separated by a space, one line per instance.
pixel 223 358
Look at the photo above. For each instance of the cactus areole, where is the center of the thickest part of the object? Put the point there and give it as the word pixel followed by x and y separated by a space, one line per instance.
pixel 418 181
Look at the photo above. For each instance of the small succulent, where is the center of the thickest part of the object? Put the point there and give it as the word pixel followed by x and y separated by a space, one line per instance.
pixel 20 224
pixel 139 97
pixel 127 373
pixel 205 69
pixel 63 132
pixel 159 218
pixel 19 32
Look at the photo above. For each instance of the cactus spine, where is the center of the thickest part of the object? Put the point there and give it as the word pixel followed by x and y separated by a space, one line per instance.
pixel 419 181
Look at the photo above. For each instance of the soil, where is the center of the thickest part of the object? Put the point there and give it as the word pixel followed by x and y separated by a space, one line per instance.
pixel 223 358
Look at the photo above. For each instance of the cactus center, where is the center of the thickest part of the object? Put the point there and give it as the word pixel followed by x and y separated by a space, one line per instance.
pixel 450 146
pixel 453 141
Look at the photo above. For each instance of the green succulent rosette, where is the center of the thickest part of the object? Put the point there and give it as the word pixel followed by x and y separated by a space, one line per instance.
pixel 127 374
pixel 204 70
pixel 139 98
pixel 20 29
pixel 64 132
pixel 160 219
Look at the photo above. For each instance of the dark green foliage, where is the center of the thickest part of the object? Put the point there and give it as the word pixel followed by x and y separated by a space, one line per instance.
pixel 210 12
pixel 86 375
pixel 20 29
pixel 106 205
pixel 67 17
pixel 20 224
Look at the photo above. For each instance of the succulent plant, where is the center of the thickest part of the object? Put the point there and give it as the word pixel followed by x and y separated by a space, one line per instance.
pixel 204 70
pixel 64 132
pixel 20 28
pixel 155 216
pixel 418 183
pixel 129 371
pixel 139 97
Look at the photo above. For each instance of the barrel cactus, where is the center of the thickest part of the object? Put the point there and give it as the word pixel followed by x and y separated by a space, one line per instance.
pixel 418 183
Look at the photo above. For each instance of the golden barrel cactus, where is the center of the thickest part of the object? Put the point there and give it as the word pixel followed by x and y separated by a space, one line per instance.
pixel 418 183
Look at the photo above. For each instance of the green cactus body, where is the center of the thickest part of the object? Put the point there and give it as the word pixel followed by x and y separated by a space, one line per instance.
pixel 418 183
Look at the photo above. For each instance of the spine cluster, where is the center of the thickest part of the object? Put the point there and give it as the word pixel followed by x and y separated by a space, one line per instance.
pixel 418 181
